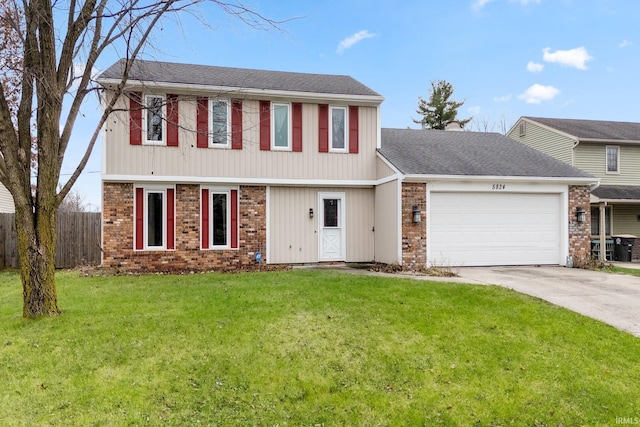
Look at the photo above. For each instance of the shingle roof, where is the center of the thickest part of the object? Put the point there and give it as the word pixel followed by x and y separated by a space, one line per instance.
pixel 168 72
pixel 593 129
pixel 434 152
pixel 617 192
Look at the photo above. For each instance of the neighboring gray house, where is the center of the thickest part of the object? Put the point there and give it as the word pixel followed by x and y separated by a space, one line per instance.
pixel 6 201
pixel 483 200
pixel 608 150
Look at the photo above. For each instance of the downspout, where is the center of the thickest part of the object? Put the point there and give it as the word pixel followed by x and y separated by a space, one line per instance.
pixel 573 150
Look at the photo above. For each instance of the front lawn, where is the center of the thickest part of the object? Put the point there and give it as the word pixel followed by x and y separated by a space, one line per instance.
pixel 306 348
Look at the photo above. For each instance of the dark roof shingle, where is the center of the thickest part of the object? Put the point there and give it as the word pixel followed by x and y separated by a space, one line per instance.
pixel 617 192
pixel 593 129
pixel 435 152
pixel 208 75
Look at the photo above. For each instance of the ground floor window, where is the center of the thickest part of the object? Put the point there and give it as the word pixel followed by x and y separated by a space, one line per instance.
pixel 155 223
pixel 595 220
pixel 219 218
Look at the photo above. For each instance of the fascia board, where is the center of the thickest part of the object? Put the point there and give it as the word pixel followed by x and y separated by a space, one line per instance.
pixel 482 178
pixel 285 94
pixel 609 141
pixel 240 180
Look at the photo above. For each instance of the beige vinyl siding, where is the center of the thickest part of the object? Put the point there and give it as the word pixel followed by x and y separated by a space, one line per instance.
pixel 382 169
pixel 386 220
pixel 250 162
pixel 591 158
pixel 625 219
pixel 6 201
pixel 293 236
pixel 544 140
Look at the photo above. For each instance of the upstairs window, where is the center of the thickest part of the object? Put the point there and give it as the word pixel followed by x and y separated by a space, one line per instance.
pixel 220 123
pixel 613 159
pixel 338 128
pixel 280 131
pixel 155 127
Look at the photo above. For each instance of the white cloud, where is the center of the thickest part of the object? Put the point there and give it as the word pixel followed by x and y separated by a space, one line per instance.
pixel 536 93
pixel 352 40
pixel 624 43
pixel 534 67
pixel 479 4
pixel 526 2
pixel 504 98
pixel 474 110
pixel 570 58
pixel 78 71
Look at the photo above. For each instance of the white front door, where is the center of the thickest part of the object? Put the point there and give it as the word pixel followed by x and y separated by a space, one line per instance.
pixel 331 227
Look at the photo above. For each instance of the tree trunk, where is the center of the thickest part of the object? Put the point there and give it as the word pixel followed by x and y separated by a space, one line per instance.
pixel 36 234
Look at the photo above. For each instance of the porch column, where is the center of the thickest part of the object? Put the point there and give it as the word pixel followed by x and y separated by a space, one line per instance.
pixel 603 232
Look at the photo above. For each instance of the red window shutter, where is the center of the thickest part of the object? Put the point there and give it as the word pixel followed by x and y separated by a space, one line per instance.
pixel 204 216
pixel 139 226
pixel 353 129
pixel 202 122
pixel 265 125
pixel 234 219
pixel 172 120
pixel 236 124
pixel 171 222
pixel 297 126
pixel 323 128
pixel 135 118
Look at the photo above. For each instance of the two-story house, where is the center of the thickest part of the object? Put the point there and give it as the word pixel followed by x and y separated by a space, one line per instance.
pixel 606 149
pixel 212 167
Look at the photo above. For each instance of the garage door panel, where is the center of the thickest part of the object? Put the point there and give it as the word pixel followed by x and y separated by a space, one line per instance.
pixel 494 229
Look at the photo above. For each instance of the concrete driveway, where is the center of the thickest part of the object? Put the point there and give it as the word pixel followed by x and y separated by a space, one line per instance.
pixel 610 298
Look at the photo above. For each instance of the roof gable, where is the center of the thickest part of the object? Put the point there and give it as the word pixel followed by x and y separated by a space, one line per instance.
pixel 592 129
pixel 242 78
pixel 433 152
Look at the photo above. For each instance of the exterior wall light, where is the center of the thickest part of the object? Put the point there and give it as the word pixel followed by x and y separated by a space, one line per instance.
pixel 417 215
pixel 581 214
pixel 311 213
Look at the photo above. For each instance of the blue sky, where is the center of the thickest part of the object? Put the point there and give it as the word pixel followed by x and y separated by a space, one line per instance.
pixel 506 58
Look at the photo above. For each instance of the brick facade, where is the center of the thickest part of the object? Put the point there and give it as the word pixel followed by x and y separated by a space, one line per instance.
pixel 414 235
pixel 118 232
pixel 579 232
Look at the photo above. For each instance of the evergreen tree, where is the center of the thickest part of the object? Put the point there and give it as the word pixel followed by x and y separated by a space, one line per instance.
pixel 439 111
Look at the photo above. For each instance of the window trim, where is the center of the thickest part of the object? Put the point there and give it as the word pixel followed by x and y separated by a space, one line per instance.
pixel 274 147
pixel 227 193
pixel 145 221
pixel 163 116
pixel 606 160
pixel 210 114
pixel 345 109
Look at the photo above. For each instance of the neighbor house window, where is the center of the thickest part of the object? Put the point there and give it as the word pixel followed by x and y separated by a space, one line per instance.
pixel 155 124
pixel 338 128
pixel 613 159
pixel 220 123
pixel 280 130
pixel 595 221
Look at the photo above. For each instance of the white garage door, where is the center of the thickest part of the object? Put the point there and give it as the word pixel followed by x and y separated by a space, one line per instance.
pixel 474 229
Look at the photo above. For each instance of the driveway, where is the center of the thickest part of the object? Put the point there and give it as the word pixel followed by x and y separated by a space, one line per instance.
pixel 610 298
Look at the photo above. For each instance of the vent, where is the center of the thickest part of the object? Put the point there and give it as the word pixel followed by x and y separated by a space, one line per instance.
pixel 522 128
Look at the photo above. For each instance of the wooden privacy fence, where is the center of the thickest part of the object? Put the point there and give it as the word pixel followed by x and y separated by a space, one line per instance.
pixel 78 240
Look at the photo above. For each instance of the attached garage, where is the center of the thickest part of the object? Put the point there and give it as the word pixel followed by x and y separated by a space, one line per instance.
pixel 474 229
pixel 482 199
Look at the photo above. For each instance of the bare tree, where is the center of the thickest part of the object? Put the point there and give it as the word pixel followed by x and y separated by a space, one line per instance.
pixel 32 112
pixel 484 123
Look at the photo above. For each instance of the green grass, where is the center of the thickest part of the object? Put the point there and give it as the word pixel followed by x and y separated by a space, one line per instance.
pixel 306 348
pixel 622 270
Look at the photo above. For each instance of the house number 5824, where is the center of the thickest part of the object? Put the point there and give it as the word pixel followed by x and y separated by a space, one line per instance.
pixel 499 187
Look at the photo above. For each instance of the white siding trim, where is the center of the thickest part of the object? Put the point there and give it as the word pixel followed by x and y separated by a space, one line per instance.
pixel 478 178
pixel 399 224
pixel 267 250
pixel 240 180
